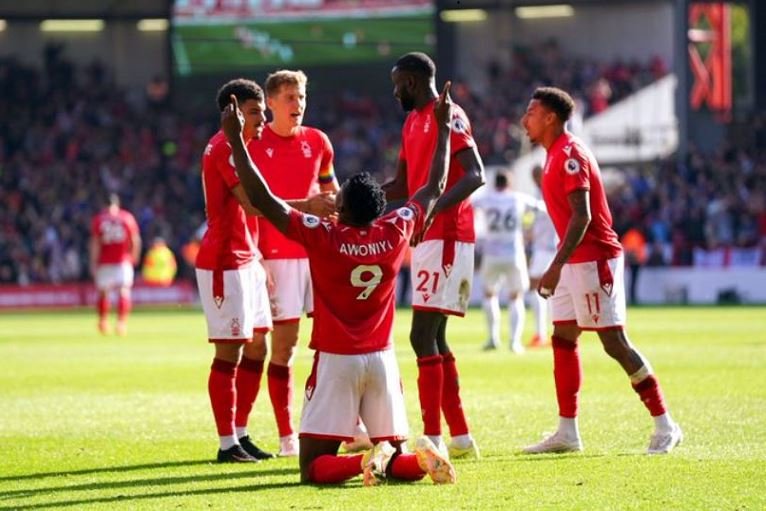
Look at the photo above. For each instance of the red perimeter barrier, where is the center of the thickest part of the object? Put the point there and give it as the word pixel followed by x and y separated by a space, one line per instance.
pixel 77 295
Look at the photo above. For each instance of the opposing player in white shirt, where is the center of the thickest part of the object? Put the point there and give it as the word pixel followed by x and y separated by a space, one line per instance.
pixel 543 249
pixel 504 261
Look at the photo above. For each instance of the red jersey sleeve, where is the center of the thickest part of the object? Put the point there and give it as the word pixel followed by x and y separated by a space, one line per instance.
pixel 576 170
pixel 412 218
pixel 223 163
pixel 308 230
pixel 461 135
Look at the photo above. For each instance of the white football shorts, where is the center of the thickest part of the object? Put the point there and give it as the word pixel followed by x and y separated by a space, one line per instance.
pixel 343 388
pixel 235 303
pixel 114 276
pixel 441 274
pixel 591 295
pixel 502 271
pixel 292 294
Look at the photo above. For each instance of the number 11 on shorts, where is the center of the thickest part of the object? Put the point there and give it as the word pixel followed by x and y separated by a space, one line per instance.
pixel 596 307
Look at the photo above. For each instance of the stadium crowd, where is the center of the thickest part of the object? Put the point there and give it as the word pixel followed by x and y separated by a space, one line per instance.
pixel 69 135
pixel 696 213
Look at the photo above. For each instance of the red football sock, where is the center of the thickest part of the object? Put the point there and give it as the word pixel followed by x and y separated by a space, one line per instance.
pixel 405 467
pixel 102 306
pixel 451 404
pixel 220 387
pixel 650 393
pixel 329 469
pixel 247 382
pixel 430 385
pixel 123 307
pixel 281 393
pixel 567 373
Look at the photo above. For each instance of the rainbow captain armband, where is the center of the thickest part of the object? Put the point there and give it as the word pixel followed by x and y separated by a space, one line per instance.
pixel 327 174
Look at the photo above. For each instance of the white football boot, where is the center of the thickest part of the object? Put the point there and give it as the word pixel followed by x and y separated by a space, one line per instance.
pixel 555 443
pixel 662 442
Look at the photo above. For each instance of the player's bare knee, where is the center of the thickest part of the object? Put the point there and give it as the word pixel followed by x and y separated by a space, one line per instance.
pixel 615 344
pixel 566 332
pixel 258 349
pixel 230 352
pixel 423 347
pixel 284 343
pixel 283 354
pixel 423 333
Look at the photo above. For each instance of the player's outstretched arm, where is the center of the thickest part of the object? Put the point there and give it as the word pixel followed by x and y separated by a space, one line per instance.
pixel 271 206
pixel 429 193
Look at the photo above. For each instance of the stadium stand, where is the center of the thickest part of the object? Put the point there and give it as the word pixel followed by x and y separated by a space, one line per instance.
pixel 68 135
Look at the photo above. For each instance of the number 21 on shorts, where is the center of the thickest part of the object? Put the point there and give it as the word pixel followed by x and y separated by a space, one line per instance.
pixel 424 277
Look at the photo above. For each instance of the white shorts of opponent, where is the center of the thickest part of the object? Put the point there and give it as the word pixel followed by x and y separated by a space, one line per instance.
pixel 292 294
pixel 114 276
pixel 442 274
pixel 235 302
pixel 591 295
pixel 343 388
pixel 502 271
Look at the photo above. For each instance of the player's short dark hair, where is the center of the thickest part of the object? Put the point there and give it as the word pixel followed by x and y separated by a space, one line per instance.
pixel 555 100
pixel 418 63
pixel 364 198
pixel 242 88
pixel 501 180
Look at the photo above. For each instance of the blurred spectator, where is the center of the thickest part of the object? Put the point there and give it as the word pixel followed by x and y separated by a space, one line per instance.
pixel 159 267
pixel 636 255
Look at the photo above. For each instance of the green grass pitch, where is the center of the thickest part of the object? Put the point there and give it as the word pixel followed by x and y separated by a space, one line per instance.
pixel 91 422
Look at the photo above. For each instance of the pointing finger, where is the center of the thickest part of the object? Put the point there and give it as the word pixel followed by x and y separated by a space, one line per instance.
pixel 447 86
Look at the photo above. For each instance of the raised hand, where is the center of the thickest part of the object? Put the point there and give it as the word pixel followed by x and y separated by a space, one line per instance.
pixel 322 204
pixel 443 106
pixel 232 120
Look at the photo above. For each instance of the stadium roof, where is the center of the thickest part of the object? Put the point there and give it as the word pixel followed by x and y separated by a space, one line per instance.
pixel 35 9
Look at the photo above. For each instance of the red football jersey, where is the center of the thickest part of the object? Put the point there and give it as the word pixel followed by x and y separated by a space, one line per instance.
pixel 228 242
pixel 353 271
pixel 115 236
pixel 570 166
pixel 293 167
pixel 419 136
